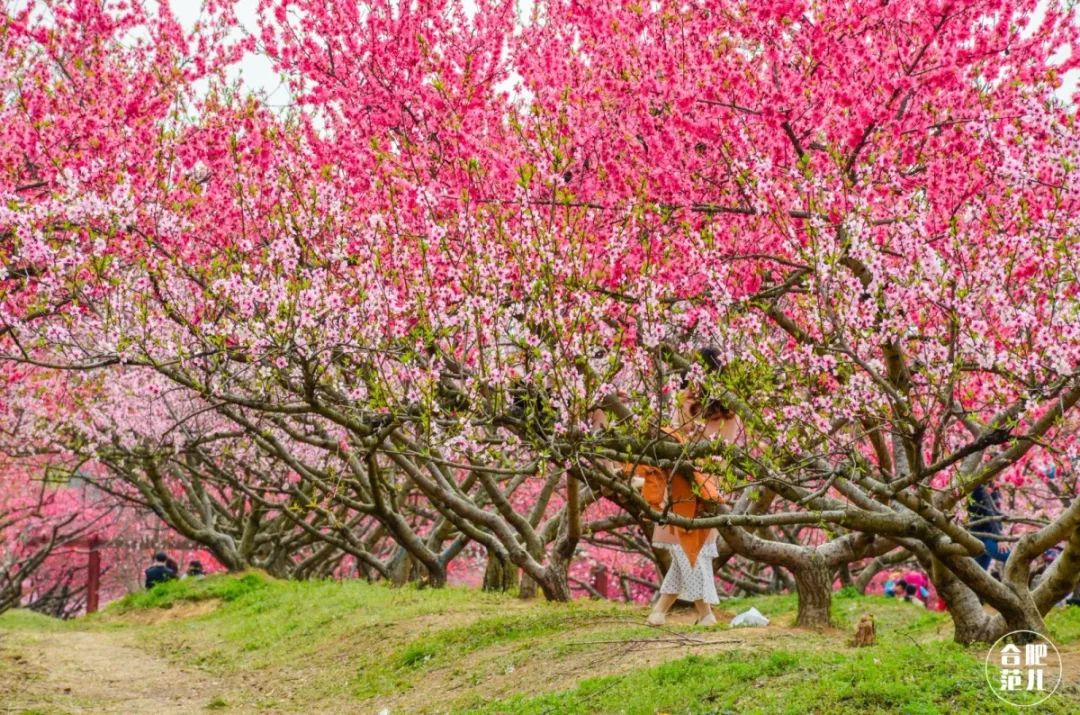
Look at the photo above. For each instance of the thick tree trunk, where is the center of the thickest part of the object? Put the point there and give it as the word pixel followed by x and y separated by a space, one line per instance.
pixel 1020 613
pixel 1027 618
pixel 406 568
pixel 971 624
pixel 401 568
pixel 527 589
pixel 226 554
pixel 977 626
pixel 555 581
pixel 813 583
pixel 499 574
pixel 427 577
pixel 555 584
pixel 279 568
pixel 1016 611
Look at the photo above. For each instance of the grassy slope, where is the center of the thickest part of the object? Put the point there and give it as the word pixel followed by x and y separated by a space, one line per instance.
pixel 334 647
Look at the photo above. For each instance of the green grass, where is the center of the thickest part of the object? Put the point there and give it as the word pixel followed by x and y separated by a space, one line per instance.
pixel 911 679
pixel 20 620
pixel 353 646
pixel 169 593
pixel 1064 625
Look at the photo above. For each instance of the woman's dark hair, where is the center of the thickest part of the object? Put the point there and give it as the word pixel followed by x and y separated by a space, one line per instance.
pixel 708 407
pixel 710 356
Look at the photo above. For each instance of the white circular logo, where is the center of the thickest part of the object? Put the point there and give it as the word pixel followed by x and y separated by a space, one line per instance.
pixel 1023 668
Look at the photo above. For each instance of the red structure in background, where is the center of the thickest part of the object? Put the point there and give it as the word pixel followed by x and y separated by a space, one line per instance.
pixel 123 557
pixel 93 545
pixel 600 580
pixel 93 576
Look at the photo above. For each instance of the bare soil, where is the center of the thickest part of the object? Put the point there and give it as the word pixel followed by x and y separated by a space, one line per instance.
pixel 96 671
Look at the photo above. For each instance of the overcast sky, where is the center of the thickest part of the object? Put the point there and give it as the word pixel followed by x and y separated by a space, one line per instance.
pixel 255 69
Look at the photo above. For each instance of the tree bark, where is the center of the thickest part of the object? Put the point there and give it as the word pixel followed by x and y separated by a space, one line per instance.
pixel 971 624
pixel 555 584
pixel 555 581
pixel 499 574
pixel 406 568
pixel 436 577
pixel 813 582
pixel 527 589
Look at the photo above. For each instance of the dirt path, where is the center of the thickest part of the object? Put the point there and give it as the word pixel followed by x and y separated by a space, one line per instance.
pixel 73 671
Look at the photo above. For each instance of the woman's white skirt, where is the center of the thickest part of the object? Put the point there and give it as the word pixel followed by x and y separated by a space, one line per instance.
pixel 691 583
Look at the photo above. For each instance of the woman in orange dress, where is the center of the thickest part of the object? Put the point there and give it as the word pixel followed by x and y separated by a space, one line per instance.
pixel 690 577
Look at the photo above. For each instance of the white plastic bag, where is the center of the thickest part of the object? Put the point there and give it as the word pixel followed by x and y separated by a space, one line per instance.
pixel 752 617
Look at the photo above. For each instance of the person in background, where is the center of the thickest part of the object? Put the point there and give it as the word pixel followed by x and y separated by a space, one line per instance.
pixel 195 570
pixel 919 580
pixel 891 585
pixel 984 517
pixel 159 571
pixel 911 595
